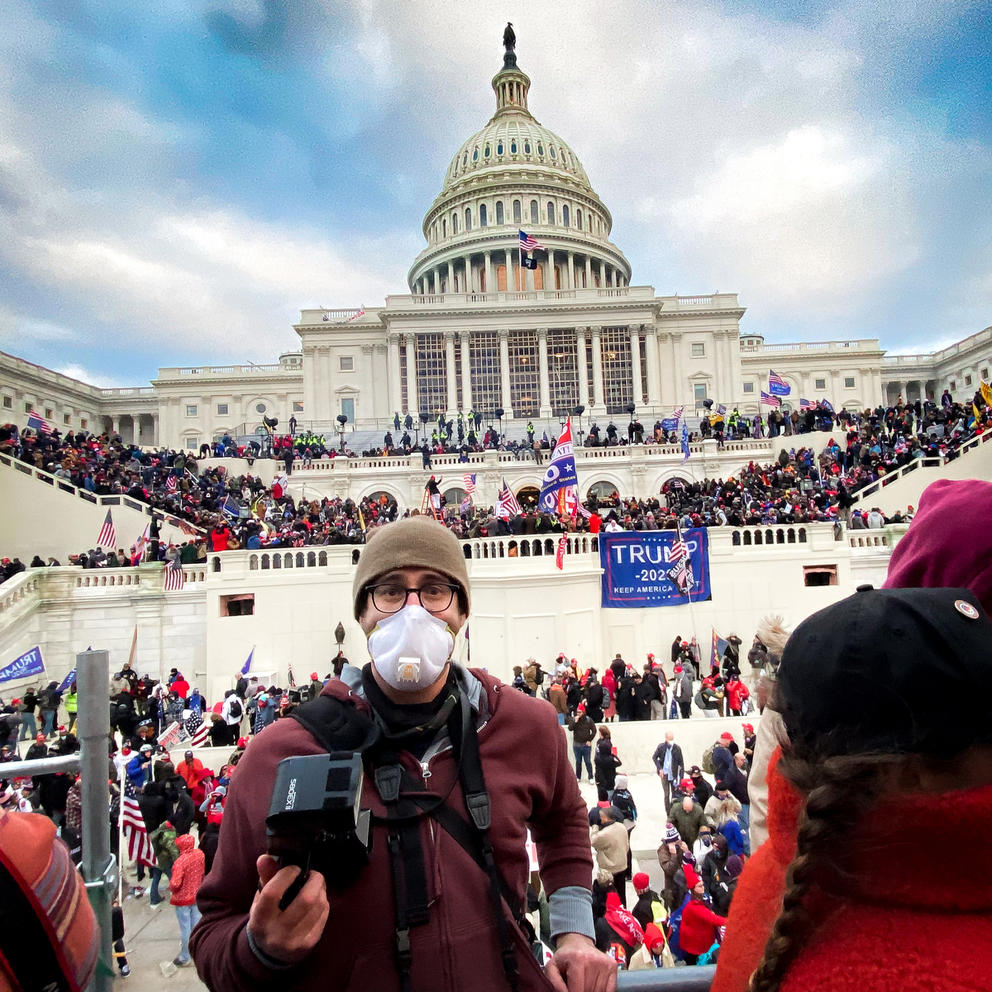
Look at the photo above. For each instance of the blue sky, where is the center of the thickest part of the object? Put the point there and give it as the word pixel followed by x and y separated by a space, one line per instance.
pixel 178 180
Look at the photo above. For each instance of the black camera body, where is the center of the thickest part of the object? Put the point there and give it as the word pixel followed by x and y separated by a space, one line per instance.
pixel 315 820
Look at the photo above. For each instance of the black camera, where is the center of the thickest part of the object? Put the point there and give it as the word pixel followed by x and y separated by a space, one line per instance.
pixel 314 817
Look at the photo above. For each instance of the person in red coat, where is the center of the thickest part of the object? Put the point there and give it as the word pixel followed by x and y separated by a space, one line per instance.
pixel 700 925
pixel 875 760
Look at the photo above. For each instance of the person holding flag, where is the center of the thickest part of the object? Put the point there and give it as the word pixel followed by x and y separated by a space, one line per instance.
pixel 560 485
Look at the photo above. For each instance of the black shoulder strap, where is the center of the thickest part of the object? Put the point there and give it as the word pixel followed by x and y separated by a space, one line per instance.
pixel 337 725
pixel 33 958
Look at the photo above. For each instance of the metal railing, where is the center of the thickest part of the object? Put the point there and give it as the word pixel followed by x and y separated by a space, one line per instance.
pixel 696 979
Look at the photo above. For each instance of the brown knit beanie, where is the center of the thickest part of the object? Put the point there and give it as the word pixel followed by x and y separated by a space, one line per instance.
pixel 420 542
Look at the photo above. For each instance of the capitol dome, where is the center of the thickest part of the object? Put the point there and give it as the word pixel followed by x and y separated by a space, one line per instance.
pixel 515 174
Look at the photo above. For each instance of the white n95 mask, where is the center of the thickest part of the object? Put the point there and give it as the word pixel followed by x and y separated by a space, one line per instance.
pixel 410 648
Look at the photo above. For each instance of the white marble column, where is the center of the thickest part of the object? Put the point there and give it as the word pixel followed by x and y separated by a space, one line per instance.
pixel 155 439
pixel 580 350
pixel 588 271
pixel 651 349
pixel 449 372
pixel 450 285
pixel 598 402
pixel 510 284
pixel 549 272
pixel 115 424
pixel 602 275
pixel 679 395
pixel 571 270
pixel 543 373
pixel 635 364
pixel 490 279
pixel 504 372
pixel 395 392
pixel 412 402
pixel 468 275
pixel 466 371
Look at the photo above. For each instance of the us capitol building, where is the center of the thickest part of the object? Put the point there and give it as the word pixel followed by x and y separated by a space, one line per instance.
pixel 477 330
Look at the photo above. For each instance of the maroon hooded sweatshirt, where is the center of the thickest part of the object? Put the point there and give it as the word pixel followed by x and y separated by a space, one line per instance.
pixel 530 783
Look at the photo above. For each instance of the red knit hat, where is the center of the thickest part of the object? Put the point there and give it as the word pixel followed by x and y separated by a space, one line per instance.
pixel 641 881
pixel 948 544
pixel 691 878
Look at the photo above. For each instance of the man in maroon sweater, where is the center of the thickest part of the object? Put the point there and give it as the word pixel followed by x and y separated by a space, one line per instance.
pixel 411 596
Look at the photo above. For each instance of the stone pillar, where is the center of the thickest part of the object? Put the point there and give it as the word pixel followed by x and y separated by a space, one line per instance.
pixel 679 395
pixel 571 270
pixel 549 272
pixel 602 274
pixel 412 401
pixel 580 349
pixel 468 274
pixel 635 364
pixel 449 372
pixel 654 379
pixel 598 402
pixel 466 372
pixel 504 372
pixel 490 280
pixel 115 425
pixel 154 439
pixel 395 393
pixel 588 271
pixel 543 375
pixel 510 284
pixel 451 278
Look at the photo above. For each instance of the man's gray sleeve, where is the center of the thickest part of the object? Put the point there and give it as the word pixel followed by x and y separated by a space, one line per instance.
pixel 570 909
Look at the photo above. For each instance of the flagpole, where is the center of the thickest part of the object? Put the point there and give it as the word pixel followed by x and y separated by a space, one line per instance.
pixel 120 834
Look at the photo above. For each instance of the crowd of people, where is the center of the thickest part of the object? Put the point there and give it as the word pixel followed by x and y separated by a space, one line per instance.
pixel 221 511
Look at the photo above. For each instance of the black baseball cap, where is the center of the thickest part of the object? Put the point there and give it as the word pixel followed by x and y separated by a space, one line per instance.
pixel 890 670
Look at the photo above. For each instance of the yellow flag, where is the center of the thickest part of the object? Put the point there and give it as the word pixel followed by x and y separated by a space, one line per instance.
pixel 986 391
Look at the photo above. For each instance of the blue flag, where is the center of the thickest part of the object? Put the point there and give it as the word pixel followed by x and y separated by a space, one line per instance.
pixel 27 664
pixel 232 507
pixel 246 667
pixel 67 681
pixel 685 442
pixel 558 490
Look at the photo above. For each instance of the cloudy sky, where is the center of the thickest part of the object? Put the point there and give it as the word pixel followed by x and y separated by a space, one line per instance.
pixel 179 179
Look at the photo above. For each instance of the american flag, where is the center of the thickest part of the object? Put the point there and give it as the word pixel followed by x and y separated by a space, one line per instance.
pixel 355 316
pixel 527 243
pixel 508 505
pixel 777 385
pixel 681 571
pixel 37 422
pixel 677 415
pixel 171 484
pixel 469 478
pixel 805 404
pixel 175 579
pixel 107 538
pixel 768 400
pixel 195 731
pixel 139 847
pixel 560 552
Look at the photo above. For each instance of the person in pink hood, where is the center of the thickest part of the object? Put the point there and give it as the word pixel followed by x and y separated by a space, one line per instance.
pixel 187 874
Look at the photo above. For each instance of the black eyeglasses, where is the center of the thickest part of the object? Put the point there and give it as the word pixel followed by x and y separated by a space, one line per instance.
pixel 391 597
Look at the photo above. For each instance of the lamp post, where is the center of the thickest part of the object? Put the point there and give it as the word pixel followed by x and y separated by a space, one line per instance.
pixel 342 419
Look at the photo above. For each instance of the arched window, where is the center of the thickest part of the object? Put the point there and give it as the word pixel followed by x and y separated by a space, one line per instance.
pixel 540 148
pixel 499 211
pixel 551 212
pixel 513 147
pixel 465 160
pixel 589 223
pixel 468 218
pixel 444 227
pixel 564 215
pixel 516 211
pixel 526 147
pixel 488 151
pixel 534 212
pixel 454 223
pixel 551 148
pixel 475 155
pixel 483 218
pixel 578 219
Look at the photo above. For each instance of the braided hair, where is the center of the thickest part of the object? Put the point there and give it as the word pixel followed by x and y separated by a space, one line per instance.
pixel 838 791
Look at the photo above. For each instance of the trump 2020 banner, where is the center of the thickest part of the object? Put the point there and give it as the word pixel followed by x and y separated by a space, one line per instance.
pixel 28 664
pixel 645 568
